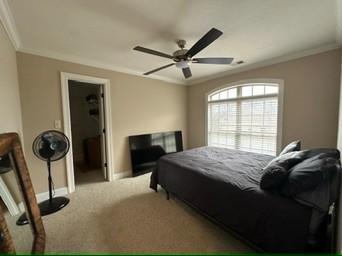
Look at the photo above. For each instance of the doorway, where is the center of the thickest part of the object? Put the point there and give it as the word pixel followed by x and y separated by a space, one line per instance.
pixel 87 126
pixel 87 123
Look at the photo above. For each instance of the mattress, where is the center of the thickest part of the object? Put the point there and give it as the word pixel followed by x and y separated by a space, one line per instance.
pixel 224 184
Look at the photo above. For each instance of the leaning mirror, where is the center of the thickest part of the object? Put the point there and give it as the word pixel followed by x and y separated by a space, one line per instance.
pixel 17 197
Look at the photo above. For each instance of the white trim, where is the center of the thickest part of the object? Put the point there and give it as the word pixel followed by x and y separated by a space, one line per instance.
pixel 65 77
pixel 8 22
pixel 96 64
pixel 280 84
pixel 121 175
pixel 7 198
pixel 280 115
pixel 267 62
pixel 44 196
pixel 67 131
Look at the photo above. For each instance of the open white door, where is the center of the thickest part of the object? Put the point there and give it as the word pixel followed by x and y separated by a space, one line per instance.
pixel 106 121
pixel 103 132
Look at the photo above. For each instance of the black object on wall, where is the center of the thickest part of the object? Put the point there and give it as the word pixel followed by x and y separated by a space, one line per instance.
pixel 146 149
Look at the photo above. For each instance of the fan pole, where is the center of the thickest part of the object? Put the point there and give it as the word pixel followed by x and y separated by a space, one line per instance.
pixel 50 180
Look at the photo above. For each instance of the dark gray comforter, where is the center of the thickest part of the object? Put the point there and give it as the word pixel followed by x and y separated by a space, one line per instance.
pixel 224 184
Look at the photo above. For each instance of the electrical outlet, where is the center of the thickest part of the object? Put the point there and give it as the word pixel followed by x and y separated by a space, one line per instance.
pixel 58 124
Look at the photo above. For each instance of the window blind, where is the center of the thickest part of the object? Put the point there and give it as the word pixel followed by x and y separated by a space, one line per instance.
pixel 246 122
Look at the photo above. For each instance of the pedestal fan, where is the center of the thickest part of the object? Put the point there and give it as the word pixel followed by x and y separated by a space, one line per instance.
pixel 49 146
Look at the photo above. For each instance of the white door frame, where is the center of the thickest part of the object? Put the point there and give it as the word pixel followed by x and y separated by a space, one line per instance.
pixel 65 77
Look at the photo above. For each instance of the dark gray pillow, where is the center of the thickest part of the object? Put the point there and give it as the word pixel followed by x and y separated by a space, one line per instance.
pixel 323 152
pixel 273 178
pixel 275 173
pixel 293 146
pixel 308 174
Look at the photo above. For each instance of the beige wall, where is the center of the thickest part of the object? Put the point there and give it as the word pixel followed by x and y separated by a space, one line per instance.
pixel 10 111
pixel 139 105
pixel 311 99
pixel 142 105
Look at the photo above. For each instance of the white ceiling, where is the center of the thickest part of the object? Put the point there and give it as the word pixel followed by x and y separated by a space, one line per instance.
pixel 103 32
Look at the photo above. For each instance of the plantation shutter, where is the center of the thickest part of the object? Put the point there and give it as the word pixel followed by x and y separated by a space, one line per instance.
pixel 244 118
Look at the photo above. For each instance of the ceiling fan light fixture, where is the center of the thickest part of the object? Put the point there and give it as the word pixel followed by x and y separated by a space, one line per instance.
pixel 182 64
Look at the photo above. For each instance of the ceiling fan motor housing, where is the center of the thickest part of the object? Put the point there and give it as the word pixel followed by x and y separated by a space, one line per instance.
pixel 181 43
pixel 180 55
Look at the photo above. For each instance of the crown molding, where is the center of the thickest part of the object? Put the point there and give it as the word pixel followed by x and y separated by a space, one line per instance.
pixel 7 19
pixel 95 64
pixel 8 22
pixel 267 62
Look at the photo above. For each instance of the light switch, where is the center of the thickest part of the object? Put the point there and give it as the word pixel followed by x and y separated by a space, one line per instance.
pixel 58 124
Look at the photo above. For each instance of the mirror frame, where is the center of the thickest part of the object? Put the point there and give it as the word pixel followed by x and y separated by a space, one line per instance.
pixel 10 144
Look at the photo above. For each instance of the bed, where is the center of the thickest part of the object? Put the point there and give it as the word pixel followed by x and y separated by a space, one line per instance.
pixel 224 185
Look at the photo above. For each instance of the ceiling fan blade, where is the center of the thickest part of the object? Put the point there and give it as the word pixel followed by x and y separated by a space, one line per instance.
pixel 187 72
pixel 157 69
pixel 207 39
pixel 213 60
pixel 146 50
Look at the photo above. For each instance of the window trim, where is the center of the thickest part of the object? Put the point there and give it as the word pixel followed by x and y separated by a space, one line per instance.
pixel 280 83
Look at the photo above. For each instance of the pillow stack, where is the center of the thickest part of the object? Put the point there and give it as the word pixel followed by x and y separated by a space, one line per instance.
pixel 310 177
pixel 276 172
pixel 294 171
pixel 308 174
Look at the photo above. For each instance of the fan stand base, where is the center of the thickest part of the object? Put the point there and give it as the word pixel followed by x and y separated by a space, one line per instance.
pixel 46 207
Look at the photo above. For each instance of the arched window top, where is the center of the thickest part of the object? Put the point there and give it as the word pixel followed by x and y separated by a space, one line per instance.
pixel 244 90
pixel 246 116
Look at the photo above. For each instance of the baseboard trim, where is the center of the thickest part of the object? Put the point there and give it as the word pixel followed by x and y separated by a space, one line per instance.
pixel 121 175
pixel 45 195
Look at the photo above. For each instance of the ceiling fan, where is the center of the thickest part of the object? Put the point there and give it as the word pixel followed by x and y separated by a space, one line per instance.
pixel 183 57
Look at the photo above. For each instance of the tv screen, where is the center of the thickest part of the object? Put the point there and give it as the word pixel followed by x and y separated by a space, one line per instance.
pixel 146 149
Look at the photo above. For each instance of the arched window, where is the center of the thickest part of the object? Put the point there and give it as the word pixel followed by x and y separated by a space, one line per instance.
pixel 244 117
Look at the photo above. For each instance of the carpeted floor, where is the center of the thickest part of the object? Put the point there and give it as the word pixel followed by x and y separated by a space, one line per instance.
pixel 83 178
pixel 126 216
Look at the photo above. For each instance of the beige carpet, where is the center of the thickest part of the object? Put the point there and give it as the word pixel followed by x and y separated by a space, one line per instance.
pixel 126 216
pixel 82 178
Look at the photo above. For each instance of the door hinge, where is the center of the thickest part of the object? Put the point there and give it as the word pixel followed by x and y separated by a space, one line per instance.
pixel 105 165
pixel 104 130
pixel 102 95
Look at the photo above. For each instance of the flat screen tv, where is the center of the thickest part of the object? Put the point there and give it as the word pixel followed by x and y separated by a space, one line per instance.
pixel 146 149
